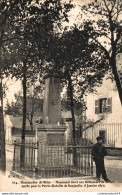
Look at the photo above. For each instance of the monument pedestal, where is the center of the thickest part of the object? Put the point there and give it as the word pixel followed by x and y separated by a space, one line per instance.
pixel 51 131
pixel 51 149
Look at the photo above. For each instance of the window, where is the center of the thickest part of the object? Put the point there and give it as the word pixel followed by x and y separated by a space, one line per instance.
pixel 102 133
pixel 103 105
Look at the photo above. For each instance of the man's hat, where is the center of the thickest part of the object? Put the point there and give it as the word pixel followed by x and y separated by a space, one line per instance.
pixel 99 138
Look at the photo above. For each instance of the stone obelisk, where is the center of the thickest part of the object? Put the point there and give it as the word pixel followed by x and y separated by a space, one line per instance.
pixel 52 102
pixel 52 130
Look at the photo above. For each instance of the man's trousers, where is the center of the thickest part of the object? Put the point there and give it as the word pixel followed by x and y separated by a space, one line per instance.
pixel 100 169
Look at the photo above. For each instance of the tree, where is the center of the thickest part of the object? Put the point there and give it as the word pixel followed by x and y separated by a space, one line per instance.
pixel 20 56
pixel 107 27
pixel 33 28
pixel 34 103
pixel 12 109
pixel 8 10
pixel 79 107
pixel 75 65
pixel 69 58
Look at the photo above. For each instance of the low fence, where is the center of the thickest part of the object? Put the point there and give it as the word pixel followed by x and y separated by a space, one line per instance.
pixel 112 151
pixel 49 161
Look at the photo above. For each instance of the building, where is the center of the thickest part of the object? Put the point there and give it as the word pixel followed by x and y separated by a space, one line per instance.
pixel 104 111
pixel 68 121
pixel 13 129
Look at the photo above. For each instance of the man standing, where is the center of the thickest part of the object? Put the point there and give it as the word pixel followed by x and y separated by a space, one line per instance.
pixel 98 153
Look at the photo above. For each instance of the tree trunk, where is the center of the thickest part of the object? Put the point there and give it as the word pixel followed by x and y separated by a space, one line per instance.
pixel 112 59
pixel 24 103
pixel 24 116
pixel 2 132
pixel 116 76
pixel 70 89
pixel 31 124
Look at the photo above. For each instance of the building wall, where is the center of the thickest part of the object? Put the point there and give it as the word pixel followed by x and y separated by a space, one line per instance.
pixel 13 135
pixel 28 139
pixel 8 128
pixel 107 90
pixel 112 120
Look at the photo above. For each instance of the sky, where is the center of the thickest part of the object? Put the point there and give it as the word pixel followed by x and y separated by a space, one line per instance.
pixel 13 86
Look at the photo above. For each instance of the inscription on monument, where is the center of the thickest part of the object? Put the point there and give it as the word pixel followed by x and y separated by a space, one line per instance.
pixel 55 102
pixel 55 138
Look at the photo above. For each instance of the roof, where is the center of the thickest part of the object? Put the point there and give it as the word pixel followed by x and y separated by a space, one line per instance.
pixel 17 121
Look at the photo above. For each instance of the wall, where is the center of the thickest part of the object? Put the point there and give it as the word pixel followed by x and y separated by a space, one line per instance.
pixel 112 122
pixel 28 139
pixel 107 90
pixel 68 132
pixel 8 126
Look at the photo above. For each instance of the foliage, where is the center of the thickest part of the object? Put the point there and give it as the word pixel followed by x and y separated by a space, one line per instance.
pixel 32 27
pixel 8 10
pixel 78 61
pixel 107 31
pixel 34 104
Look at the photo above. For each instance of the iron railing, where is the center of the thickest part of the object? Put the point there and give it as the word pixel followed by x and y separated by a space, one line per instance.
pixel 112 133
pixel 56 160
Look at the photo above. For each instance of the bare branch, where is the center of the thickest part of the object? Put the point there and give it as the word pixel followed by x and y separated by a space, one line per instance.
pixel 118 37
pixel 113 6
pixel 97 13
pixel 27 117
pixel 106 5
pixel 9 39
pixel 118 12
pixel 102 34
pixel 103 48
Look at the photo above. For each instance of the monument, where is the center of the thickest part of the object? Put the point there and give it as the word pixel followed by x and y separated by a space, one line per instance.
pixel 51 131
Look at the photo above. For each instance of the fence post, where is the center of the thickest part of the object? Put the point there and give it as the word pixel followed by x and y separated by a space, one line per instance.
pixel 13 168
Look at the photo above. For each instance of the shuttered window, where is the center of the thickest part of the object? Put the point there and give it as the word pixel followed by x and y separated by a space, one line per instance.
pixel 109 105
pixel 97 107
pixel 103 105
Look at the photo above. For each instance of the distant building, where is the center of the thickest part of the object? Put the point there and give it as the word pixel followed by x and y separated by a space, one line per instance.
pixel 104 111
pixel 68 121
pixel 13 122
pixel 13 129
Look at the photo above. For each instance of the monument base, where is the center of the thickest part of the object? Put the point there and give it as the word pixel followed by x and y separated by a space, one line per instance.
pixel 51 146
pixel 51 133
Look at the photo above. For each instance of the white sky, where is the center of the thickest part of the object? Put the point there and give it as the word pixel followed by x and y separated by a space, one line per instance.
pixel 14 86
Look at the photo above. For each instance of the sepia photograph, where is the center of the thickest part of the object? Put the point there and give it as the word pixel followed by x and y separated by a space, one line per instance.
pixel 60 96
